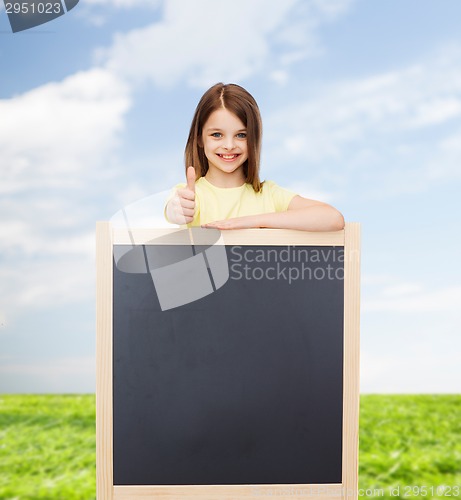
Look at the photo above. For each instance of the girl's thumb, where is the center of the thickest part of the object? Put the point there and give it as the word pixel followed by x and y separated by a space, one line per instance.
pixel 190 175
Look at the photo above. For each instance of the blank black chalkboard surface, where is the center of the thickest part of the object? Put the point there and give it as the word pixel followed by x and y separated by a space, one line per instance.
pixel 227 363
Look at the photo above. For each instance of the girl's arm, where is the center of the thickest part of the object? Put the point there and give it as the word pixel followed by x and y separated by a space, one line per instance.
pixel 303 214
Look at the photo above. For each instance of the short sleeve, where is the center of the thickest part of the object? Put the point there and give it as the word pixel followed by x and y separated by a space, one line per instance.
pixel 280 196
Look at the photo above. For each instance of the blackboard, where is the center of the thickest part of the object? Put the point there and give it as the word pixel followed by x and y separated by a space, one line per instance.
pixel 246 385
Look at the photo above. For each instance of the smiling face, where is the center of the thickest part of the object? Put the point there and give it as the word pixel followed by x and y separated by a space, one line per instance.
pixel 224 140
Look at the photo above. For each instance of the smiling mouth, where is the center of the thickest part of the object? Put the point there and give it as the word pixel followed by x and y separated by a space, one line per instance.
pixel 228 157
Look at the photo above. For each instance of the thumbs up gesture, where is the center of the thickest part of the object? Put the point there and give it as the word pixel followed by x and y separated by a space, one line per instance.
pixel 181 208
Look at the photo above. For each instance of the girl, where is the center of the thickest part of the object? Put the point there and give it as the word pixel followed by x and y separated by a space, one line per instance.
pixel 223 189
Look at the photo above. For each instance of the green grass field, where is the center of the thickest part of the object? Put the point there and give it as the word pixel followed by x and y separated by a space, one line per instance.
pixel 409 445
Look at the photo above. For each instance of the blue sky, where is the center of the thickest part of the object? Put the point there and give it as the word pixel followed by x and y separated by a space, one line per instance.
pixel 361 105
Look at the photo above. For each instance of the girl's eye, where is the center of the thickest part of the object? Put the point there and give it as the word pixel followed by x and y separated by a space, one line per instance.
pixel 242 135
pixel 215 134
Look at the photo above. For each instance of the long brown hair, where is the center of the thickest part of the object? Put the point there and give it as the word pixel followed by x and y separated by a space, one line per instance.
pixel 242 104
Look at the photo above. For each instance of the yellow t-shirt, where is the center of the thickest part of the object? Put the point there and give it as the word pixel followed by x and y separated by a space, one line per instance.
pixel 214 203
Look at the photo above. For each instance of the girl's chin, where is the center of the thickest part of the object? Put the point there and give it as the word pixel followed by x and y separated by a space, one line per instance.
pixel 227 167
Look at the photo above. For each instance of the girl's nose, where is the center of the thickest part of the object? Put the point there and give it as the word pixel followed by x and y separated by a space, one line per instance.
pixel 229 143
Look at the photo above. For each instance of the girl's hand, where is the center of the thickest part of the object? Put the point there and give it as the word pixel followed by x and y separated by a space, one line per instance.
pixel 181 208
pixel 247 222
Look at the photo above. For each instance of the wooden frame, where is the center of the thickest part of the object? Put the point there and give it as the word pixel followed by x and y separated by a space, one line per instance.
pixel 106 237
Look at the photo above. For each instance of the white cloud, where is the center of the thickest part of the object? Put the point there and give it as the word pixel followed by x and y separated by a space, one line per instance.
pixel 410 341
pixel 56 367
pixel 56 131
pixel 310 191
pixel 30 284
pixel 98 12
pixel 62 375
pixel 401 290
pixel 410 371
pixel 333 8
pixel 126 4
pixel 57 142
pixel 435 111
pixel 378 121
pixel 347 112
pixel 446 161
pixel 411 298
pixel 279 76
pixel 451 144
pixel 409 337
pixel 207 41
